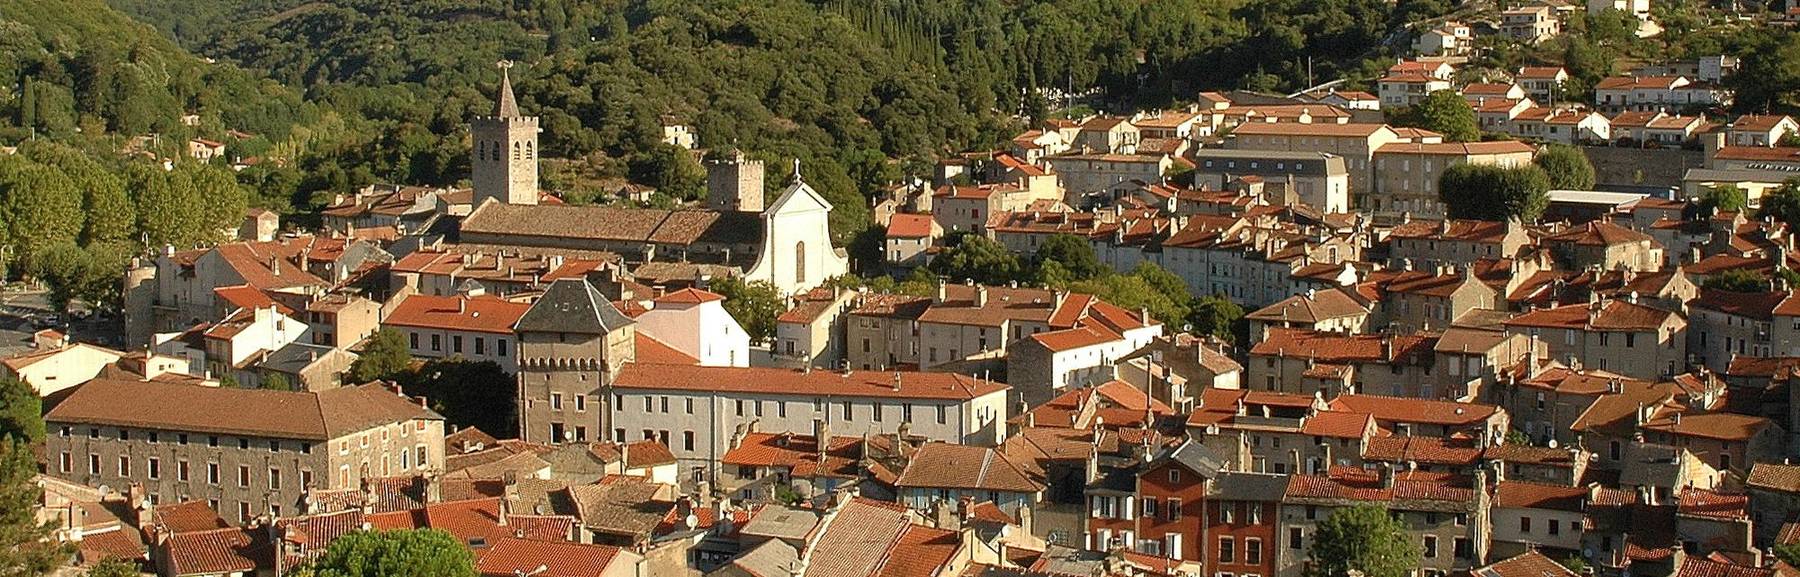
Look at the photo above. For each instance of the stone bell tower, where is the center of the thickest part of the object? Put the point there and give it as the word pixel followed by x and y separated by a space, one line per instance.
pixel 506 150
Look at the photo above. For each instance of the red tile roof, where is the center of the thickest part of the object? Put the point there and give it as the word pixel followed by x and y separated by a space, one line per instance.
pixel 1529 495
pixel 689 296
pixel 910 226
pixel 483 313
pixel 218 551
pixel 1528 564
pixel 947 466
pixel 1696 566
pixel 1713 505
pixel 1338 424
pixel 511 557
pixel 652 351
pixel 1613 315
pixel 1408 410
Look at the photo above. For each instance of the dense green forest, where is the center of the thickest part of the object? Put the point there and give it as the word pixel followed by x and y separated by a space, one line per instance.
pixel 862 92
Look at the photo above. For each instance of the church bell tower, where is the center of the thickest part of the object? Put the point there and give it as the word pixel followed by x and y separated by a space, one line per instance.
pixel 506 150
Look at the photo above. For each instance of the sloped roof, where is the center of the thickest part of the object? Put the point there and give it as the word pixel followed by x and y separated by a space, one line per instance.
pixel 572 306
pixel 255 412
pixel 947 466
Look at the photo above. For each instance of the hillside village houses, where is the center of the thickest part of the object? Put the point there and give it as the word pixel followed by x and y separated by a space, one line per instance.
pixel 1514 392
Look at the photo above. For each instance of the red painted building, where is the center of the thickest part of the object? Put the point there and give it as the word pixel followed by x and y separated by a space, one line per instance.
pixel 1242 513
pixel 1158 508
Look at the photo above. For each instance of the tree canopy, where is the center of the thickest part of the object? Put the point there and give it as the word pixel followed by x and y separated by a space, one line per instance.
pixel 1567 167
pixel 1492 192
pixel 415 553
pixel 1444 112
pixel 1365 538
pixel 467 393
pixel 754 305
pixel 384 357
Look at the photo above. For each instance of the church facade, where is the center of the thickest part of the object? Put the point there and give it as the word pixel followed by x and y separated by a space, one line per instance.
pixel 787 243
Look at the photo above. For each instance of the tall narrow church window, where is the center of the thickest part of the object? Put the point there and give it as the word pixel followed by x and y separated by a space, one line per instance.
pixel 516 153
pixel 800 263
pixel 481 150
pixel 530 150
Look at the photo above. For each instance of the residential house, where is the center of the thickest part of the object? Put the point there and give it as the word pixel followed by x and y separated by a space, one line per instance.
pixel 1451 38
pixel 341 320
pixel 1760 130
pixel 812 332
pixel 205 150
pixel 1107 134
pixel 1408 173
pixel 1530 24
pixel 1355 142
pixel 908 238
pixel 1632 339
pixel 1316 179
pixel 696 410
pixel 695 323
pixel 1429 243
pixel 1445 514
pixel 1542 83
pixel 882 331
pixel 1407 88
pixel 233 346
pixel 1086 173
pixel 939 473
pixel 473 327
pixel 56 364
pixel 1604 245
pixel 1530 516
pixel 1327 311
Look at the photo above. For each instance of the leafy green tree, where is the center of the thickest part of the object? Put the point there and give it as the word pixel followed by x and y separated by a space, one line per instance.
pixel 1216 315
pixel 106 209
pixel 1490 192
pixel 21 411
pixel 384 357
pixel 754 305
pixel 277 382
pixel 1788 553
pixel 673 171
pixel 1073 254
pixel 1133 293
pixel 467 393
pixel 416 553
pixel 71 273
pixel 1738 280
pixel 168 208
pixel 223 200
pixel 1567 167
pixel 39 204
pixel 26 548
pixel 114 568
pixel 978 258
pixel 1444 112
pixel 1724 198
pixel 1364 538
pixel 1783 203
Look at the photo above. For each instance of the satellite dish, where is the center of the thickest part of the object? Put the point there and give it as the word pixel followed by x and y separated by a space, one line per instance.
pixel 692 521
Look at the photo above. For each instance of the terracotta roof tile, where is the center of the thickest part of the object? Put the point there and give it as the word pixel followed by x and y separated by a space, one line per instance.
pixel 1713 505
pixel 1528 564
pixel 483 313
pixel 947 466
pixel 1529 495
pixel 510 557
pixel 218 551
pixel 1775 477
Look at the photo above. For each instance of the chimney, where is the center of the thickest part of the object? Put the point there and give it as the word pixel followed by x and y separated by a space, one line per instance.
pixel 1387 475
pixel 821 435
pixel 939 299
pixel 981 296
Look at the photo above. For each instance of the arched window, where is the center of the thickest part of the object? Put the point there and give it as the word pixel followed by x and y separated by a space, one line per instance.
pixel 516 151
pixel 800 263
pixel 530 150
pixel 481 150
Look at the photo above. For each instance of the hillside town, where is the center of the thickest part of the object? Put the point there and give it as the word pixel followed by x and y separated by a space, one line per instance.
pixel 1216 339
